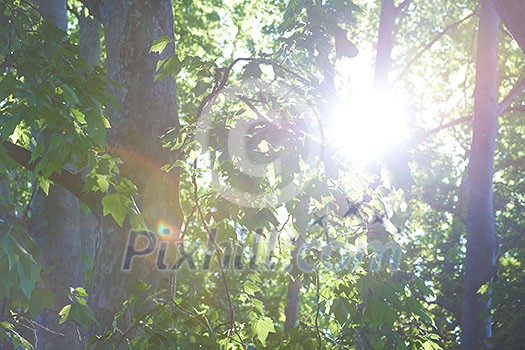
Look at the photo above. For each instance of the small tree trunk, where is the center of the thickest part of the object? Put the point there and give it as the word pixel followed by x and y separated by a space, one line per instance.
pixel 294 289
pixel 385 36
pixel 55 229
pixel 89 42
pixel 481 239
pixel 89 39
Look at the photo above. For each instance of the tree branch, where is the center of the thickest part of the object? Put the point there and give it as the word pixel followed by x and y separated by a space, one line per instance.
pixel 429 45
pixel 516 109
pixel 512 14
pixel 73 182
pixel 94 7
pixel 420 138
pixel 222 80
pixel 516 90
pixel 503 106
pixel 403 5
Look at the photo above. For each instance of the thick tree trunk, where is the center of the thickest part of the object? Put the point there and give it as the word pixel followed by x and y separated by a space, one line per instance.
pixel 55 229
pixel 481 238
pixel 148 110
pixel 512 14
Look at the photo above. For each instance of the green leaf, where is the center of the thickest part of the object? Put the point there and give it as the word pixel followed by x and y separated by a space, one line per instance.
pixel 374 311
pixel 9 249
pixel 16 339
pixel 160 44
pixel 81 292
pixel 262 326
pixel 116 205
pixel 8 125
pixel 82 314
pixel 64 313
pixel 142 286
pixel 70 95
pixel 28 273
pixel 423 287
pixel 252 70
pixel 102 183
pixel 251 288
pixel 41 299
pixel 200 88
pixel 430 345
pixel 340 310
pixel 44 185
pixel 7 85
pixel 173 66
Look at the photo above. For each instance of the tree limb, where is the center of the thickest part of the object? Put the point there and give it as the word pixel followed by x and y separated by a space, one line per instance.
pixel 403 5
pixel 516 90
pixel 73 182
pixel 94 7
pixel 420 138
pixel 429 45
pixel 503 106
pixel 512 14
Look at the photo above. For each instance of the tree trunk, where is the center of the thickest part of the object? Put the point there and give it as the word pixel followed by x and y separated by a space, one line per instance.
pixel 55 228
pixel 89 39
pixel 148 110
pixel 89 42
pixel 481 237
pixel 512 14
pixel 291 311
pixel 385 36
pixel 90 48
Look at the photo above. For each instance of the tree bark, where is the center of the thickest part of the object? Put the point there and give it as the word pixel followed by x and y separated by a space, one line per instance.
pixel 481 236
pixel 55 228
pixel 385 39
pixel 148 110
pixel 293 299
pixel 90 48
pixel 89 39
pixel 512 14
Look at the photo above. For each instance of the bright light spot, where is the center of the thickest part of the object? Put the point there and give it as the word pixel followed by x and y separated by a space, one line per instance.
pixel 165 230
pixel 368 124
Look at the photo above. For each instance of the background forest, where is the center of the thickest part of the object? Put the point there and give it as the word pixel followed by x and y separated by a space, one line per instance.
pixel 228 174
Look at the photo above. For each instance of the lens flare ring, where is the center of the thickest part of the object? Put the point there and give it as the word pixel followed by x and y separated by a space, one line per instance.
pixel 240 151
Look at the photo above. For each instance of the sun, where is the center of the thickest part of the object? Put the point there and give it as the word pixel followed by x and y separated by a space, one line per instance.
pixel 367 124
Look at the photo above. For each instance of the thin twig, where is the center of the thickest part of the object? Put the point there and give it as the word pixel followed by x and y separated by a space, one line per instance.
pixel 220 83
pixel 284 224
pixel 317 311
pixel 32 322
pixel 124 335
pixel 219 258
pixel 26 210
pixel 73 11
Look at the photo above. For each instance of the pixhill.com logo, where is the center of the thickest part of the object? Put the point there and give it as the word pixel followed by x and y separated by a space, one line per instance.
pixel 373 255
